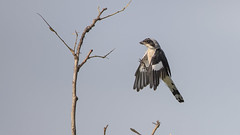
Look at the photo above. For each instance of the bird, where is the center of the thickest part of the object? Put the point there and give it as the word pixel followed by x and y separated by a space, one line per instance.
pixel 153 68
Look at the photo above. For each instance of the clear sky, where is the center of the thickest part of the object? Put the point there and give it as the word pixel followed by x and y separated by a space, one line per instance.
pixel 201 39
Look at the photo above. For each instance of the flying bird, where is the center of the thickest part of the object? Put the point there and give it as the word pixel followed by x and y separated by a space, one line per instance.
pixel 153 67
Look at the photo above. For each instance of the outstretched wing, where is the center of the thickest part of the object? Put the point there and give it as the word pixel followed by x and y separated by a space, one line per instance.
pixel 142 77
pixel 158 68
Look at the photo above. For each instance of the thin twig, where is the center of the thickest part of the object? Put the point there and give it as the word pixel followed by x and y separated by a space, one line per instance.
pixel 117 11
pixel 105 56
pixel 156 127
pixel 135 131
pixel 75 40
pixel 50 27
pixel 105 130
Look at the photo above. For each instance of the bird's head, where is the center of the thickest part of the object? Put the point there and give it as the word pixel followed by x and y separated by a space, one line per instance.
pixel 150 43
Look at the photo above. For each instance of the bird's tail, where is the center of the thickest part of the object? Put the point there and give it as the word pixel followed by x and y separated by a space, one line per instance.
pixel 173 88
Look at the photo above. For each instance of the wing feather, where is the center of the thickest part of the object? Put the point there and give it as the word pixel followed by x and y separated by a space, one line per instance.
pixel 158 68
pixel 141 77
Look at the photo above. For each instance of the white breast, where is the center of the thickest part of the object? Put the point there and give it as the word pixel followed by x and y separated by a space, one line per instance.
pixel 150 53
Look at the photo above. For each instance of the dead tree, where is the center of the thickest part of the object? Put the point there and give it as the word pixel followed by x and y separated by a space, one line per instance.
pixel 76 55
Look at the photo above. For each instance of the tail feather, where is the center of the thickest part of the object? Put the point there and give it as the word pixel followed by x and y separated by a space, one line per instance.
pixel 173 88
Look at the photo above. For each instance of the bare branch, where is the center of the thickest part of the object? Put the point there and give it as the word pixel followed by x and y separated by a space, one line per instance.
pixel 135 131
pixel 70 49
pixel 117 11
pixel 105 130
pixel 85 60
pixel 105 56
pixel 88 28
pixel 156 127
pixel 75 41
pixel 95 56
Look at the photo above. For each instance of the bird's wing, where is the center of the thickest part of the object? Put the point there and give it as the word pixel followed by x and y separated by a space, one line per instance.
pixel 158 68
pixel 141 74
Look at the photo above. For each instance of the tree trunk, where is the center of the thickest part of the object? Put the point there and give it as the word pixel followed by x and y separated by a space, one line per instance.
pixel 74 97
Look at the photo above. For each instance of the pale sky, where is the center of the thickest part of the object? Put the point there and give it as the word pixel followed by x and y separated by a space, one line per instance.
pixel 201 39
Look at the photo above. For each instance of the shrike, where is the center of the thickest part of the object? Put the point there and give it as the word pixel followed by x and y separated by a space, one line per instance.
pixel 153 67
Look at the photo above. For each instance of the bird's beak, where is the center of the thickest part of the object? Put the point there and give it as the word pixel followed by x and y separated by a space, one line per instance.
pixel 141 42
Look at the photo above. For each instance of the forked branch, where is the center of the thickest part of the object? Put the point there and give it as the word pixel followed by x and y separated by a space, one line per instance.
pixel 85 60
pixel 95 56
pixel 105 56
pixel 156 127
pixel 88 28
